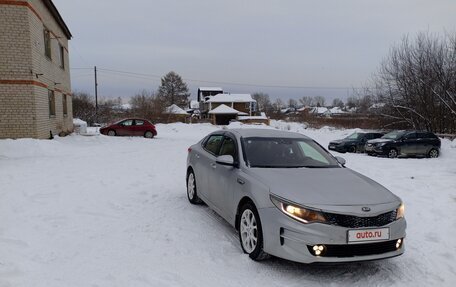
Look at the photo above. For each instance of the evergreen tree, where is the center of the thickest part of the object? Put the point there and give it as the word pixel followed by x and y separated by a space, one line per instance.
pixel 173 90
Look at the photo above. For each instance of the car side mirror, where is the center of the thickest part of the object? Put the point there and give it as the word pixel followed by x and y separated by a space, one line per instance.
pixel 341 160
pixel 225 160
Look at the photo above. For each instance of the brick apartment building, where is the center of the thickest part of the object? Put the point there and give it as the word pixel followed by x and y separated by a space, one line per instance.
pixel 35 98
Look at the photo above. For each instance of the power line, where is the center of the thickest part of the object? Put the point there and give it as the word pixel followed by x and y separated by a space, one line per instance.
pixel 147 76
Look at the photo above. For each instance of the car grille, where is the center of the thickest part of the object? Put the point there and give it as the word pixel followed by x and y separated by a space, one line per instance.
pixel 350 250
pixel 356 221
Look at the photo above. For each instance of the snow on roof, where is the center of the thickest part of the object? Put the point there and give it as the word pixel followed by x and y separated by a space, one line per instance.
pixel 223 109
pixel 337 110
pixel 78 121
pixel 243 118
pixel 175 110
pixel 320 110
pixel 231 98
pixel 210 89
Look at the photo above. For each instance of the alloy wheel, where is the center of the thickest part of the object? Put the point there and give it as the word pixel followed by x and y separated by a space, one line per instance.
pixel 433 153
pixel 111 133
pixel 392 153
pixel 191 186
pixel 249 231
pixel 149 135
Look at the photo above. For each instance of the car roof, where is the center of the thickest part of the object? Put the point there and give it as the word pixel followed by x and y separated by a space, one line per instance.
pixel 252 132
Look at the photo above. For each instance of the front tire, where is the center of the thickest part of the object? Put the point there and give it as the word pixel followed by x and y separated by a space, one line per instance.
pixel 392 153
pixel 251 232
pixel 111 133
pixel 192 194
pixel 148 134
pixel 352 149
pixel 433 153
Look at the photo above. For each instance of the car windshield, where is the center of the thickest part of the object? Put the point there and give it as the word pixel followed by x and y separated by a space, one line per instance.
pixel 355 136
pixel 393 135
pixel 285 153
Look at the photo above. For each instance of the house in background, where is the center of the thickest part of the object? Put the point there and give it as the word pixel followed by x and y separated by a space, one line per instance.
pixel 238 104
pixel 35 88
pixel 204 93
pixel 176 113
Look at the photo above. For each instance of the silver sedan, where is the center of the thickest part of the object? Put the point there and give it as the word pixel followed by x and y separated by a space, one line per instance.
pixel 288 197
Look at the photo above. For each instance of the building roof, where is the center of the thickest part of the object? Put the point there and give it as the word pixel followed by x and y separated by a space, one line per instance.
pixel 175 110
pixel 224 109
pixel 58 18
pixel 210 89
pixel 231 98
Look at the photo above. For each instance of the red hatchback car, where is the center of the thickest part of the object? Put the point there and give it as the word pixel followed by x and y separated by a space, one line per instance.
pixel 130 127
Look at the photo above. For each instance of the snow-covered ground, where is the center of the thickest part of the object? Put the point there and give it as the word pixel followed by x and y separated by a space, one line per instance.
pixel 105 211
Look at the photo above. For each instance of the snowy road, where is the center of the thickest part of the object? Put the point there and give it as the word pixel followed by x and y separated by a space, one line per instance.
pixel 102 211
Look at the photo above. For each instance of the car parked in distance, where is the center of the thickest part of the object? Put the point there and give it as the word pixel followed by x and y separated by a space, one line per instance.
pixel 354 142
pixel 289 197
pixel 130 127
pixel 405 143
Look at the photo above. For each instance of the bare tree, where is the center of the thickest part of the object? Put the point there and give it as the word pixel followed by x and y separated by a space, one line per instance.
pixel 146 105
pixel 83 107
pixel 319 101
pixel 306 101
pixel 292 103
pixel 263 102
pixel 338 103
pixel 417 83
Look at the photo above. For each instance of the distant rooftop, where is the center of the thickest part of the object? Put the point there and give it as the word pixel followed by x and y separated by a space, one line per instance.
pixel 210 89
pixel 231 98
pixel 224 109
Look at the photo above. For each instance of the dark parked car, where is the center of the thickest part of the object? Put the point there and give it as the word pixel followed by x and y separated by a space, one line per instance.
pixel 354 142
pixel 130 127
pixel 405 143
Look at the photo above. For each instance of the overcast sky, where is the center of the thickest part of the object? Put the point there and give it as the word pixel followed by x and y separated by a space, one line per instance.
pixel 324 47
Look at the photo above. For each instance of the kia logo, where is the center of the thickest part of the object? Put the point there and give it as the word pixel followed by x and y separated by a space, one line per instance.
pixel 366 209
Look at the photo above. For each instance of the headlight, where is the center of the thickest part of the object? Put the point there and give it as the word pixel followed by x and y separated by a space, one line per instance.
pixel 400 211
pixel 299 213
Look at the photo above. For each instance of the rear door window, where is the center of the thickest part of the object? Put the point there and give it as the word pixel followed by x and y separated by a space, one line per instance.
pixel 213 143
pixel 127 123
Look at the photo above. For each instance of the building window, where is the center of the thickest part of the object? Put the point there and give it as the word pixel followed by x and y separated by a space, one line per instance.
pixel 51 103
pixel 62 56
pixel 64 103
pixel 47 43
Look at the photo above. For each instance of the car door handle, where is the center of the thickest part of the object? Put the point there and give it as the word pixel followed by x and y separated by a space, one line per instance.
pixel 240 181
pixel 213 165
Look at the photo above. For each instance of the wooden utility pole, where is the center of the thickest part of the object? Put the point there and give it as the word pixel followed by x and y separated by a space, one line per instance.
pixel 96 95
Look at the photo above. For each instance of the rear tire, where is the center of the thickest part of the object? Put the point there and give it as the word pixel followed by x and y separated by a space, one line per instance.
pixel 112 133
pixel 149 135
pixel 433 153
pixel 192 194
pixel 392 153
pixel 352 149
pixel 251 232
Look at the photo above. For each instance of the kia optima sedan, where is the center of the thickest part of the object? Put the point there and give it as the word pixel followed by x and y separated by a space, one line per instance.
pixel 288 197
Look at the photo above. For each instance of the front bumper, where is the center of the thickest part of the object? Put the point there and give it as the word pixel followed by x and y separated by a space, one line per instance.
pixel 289 239
pixel 377 150
pixel 337 147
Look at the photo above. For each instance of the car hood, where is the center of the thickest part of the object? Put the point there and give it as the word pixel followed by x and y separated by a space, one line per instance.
pixel 380 141
pixel 323 186
pixel 342 141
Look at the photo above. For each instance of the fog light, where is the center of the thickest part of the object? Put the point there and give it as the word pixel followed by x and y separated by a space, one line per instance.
pixel 399 243
pixel 318 249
